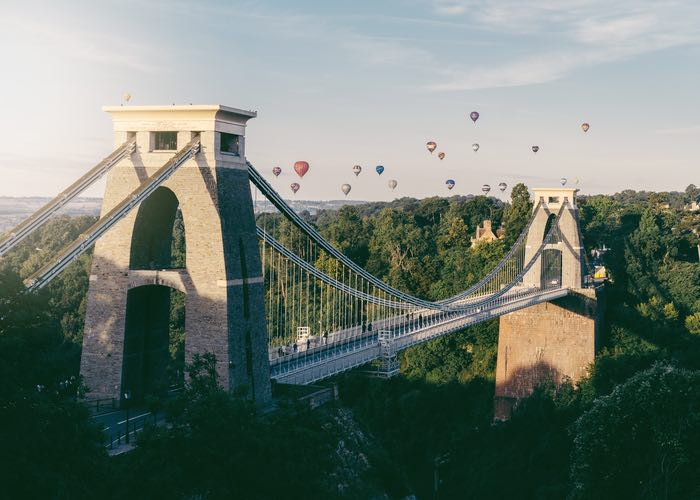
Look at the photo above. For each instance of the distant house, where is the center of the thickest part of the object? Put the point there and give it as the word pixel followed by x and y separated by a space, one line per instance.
pixel 485 233
pixel 692 207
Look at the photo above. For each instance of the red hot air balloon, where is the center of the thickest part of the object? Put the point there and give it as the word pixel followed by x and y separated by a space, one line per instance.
pixel 301 167
pixel 277 171
pixel 295 187
pixel 474 115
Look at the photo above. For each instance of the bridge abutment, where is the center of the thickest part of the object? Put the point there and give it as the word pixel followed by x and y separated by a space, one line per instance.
pixel 553 341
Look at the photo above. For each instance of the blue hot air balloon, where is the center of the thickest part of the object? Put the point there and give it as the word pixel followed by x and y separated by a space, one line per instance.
pixel 450 183
pixel 379 169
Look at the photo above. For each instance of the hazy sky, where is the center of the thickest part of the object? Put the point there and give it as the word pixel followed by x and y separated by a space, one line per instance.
pixel 367 82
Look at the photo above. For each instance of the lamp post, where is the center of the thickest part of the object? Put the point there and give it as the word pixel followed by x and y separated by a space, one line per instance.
pixel 127 397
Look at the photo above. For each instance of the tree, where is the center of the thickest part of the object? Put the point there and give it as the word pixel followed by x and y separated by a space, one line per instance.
pixel 517 213
pixel 644 251
pixel 642 440
pixel 219 446
pixel 49 447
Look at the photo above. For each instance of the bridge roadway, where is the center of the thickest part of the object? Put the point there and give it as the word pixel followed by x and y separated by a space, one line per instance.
pixel 344 352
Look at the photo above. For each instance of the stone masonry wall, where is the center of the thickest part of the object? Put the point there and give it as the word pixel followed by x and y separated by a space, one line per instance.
pixel 554 340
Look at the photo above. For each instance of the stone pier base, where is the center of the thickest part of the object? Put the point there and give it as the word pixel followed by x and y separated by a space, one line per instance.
pixel 550 341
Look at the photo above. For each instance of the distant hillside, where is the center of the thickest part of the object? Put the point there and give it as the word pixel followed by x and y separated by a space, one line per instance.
pixel 13 210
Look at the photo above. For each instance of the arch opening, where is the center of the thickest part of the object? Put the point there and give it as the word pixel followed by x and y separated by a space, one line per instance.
pixel 154 339
pixel 550 271
pixel 556 237
pixel 158 239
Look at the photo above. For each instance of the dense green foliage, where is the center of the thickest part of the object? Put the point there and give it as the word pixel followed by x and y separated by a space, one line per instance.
pixel 629 430
pixel 217 446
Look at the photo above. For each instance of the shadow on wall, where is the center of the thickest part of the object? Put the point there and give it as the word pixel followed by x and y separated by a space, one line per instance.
pixel 520 384
pixel 579 303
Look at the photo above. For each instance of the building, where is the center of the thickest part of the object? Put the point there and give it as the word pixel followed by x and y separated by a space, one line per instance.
pixel 485 233
pixel 692 207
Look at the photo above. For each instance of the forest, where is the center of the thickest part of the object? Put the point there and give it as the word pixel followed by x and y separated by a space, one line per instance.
pixel 630 429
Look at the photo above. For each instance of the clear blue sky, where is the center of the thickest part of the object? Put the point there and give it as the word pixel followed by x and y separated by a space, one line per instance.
pixel 366 82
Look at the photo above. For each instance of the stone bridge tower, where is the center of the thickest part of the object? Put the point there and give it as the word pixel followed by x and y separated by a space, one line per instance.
pixel 553 340
pixel 126 340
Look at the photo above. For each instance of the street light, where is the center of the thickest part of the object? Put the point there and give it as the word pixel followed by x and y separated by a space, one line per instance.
pixel 127 397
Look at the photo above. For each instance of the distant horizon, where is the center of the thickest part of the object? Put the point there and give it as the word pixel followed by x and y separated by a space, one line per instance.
pixel 368 84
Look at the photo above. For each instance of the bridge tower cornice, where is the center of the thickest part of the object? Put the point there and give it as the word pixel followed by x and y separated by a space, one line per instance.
pixel 553 198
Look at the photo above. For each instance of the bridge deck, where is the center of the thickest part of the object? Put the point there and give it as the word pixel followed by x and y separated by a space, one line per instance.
pixel 335 357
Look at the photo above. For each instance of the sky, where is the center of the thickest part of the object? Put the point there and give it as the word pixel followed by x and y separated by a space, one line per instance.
pixel 365 82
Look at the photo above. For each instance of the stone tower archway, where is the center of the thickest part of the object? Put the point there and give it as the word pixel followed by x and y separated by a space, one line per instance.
pixel 222 277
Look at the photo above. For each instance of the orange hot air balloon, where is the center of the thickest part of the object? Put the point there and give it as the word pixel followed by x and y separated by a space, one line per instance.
pixel 441 156
pixel 301 167
pixel 585 127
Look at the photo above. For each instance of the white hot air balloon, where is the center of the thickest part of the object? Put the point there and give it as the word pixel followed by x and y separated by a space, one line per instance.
pixel 345 188
pixel 562 181
pixel 475 147
pixel 392 184
pixel 356 170
pixel 485 189
pixel 502 186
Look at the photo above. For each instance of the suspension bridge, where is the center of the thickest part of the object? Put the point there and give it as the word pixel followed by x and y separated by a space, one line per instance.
pixel 266 293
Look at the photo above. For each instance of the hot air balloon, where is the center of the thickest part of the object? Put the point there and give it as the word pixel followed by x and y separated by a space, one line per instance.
pixel 441 155
pixel 474 115
pixel 450 183
pixel 585 127
pixel 475 147
pixel 502 186
pixel 345 188
pixel 356 170
pixel 563 181
pixel 485 189
pixel 126 96
pixel 392 184
pixel 277 171
pixel 431 146
pixel 379 169
pixel 301 167
pixel 295 187
pixel 535 149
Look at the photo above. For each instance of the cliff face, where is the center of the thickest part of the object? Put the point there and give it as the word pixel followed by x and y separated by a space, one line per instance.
pixel 362 469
